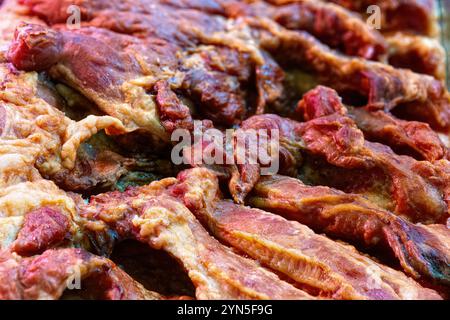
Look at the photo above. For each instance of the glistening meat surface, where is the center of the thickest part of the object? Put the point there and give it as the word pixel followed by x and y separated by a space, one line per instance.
pixel 47 276
pixel 90 108
pixel 183 56
pixel 324 266
pixel 150 215
pixel 413 189
pixel 337 27
pixel 415 16
pixel 350 217
pixel 383 87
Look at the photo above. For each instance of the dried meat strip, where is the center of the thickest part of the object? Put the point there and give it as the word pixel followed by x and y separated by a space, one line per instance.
pixel 412 138
pixel 46 276
pixel 380 86
pixel 335 270
pixel 332 24
pixel 417 53
pixel 329 23
pixel 152 216
pixel 353 218
pixel 413 189
pixel 183 54
pixel 415 16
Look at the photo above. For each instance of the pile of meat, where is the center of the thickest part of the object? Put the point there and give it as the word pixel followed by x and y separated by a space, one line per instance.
pixel 92 207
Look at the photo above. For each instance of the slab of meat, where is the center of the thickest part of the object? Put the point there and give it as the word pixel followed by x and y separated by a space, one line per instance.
pixel 337 28
pixel 91 109
pixel 35 140
pixel 380 86
pixel 334 270
pixel 398 15
pixel 420 54
pixel 35 134
pixel 353 218
pixel 182 55
pixel 417 195
pixel 151 216
pixel 411 30
pixel 348 161
pixel 349 140
pixel 98 161
pixel 102 86
pixel 412 138
pixel 331 24
pixel 46 277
